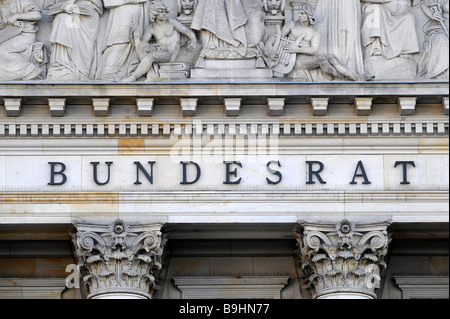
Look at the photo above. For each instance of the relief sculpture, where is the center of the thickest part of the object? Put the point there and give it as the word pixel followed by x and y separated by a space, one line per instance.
pixel 73 39
pixel 21 56
pixel 167 33
pixel 118 56
pixel 163 40
pixel 301 50
pixel 389 38
pixel 434 63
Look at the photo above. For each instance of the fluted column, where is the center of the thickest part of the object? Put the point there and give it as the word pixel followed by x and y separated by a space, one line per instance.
pixel 343 260
pixel 119 260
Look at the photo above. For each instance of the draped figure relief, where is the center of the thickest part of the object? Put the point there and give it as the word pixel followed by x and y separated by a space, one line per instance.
pixel 434 63
pixel 118 56
pixel 299 40
pixel 339 22
pixel 389 38
pixel 229 29
pixel 21 56
pixel 73 39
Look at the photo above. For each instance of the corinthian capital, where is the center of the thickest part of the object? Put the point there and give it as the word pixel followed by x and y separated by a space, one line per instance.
pixel 119 260
pixel 344 259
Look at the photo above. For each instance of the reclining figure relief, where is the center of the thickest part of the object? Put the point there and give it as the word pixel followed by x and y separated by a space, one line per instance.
pixel 166 34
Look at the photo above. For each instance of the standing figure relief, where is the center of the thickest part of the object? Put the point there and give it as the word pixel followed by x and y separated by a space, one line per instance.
pixel 153 40
pixel 434 63
pixel 73 39
pixel 21 56
pixel 118 57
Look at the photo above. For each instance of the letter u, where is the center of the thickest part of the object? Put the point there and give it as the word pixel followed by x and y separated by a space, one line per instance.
pixel 95 165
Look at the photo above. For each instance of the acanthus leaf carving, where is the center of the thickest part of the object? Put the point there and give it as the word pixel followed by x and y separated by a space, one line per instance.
pixel 343 257
pixel 119 257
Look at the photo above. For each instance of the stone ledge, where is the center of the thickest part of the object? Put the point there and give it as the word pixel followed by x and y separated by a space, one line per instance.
pixel 235 89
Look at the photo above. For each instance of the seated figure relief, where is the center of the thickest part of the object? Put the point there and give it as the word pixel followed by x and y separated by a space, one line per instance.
pixel 159 40
pixel 229 29
pixel 166 33
pixel 389 38
pixel 21 56
pixel 296 48
pixel 73 39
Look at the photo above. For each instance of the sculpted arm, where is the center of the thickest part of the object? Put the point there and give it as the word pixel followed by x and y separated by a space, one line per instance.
pixel 287 29
pixel 138 42
pixel 181 28
pixel 433 15
pixel 28 16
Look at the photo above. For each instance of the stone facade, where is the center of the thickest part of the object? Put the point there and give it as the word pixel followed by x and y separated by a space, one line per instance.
pixel 193 149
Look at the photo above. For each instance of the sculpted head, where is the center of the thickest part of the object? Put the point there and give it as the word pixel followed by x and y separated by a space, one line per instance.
pixel 157 10
pixel 187 7
pixel 274 6
pixel 306 13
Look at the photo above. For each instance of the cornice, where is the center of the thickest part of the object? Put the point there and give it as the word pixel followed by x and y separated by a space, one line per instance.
pixel 225 88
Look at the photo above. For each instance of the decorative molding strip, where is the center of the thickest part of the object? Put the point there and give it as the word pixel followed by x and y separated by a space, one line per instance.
pixel 426 127
pixel 32 288
pixel 423 287
pixel 242 287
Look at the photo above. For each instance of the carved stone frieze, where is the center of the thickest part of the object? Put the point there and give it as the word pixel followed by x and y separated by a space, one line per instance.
pixel 119 260
pixel 343 258
pixel 164 40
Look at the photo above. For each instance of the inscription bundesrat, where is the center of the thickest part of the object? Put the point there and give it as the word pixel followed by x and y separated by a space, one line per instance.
pixel 59 175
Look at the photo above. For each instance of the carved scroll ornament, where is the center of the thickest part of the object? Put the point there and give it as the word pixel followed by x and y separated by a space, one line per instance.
pixel 344 257
pixel 119 258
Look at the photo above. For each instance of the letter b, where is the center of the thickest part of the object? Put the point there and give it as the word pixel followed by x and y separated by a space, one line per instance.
pixel 60 172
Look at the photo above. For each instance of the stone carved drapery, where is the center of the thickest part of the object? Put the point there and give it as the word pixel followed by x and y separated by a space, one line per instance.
pixel 344 259
pixel 22 56
pixel 119 260
pixel 394 35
